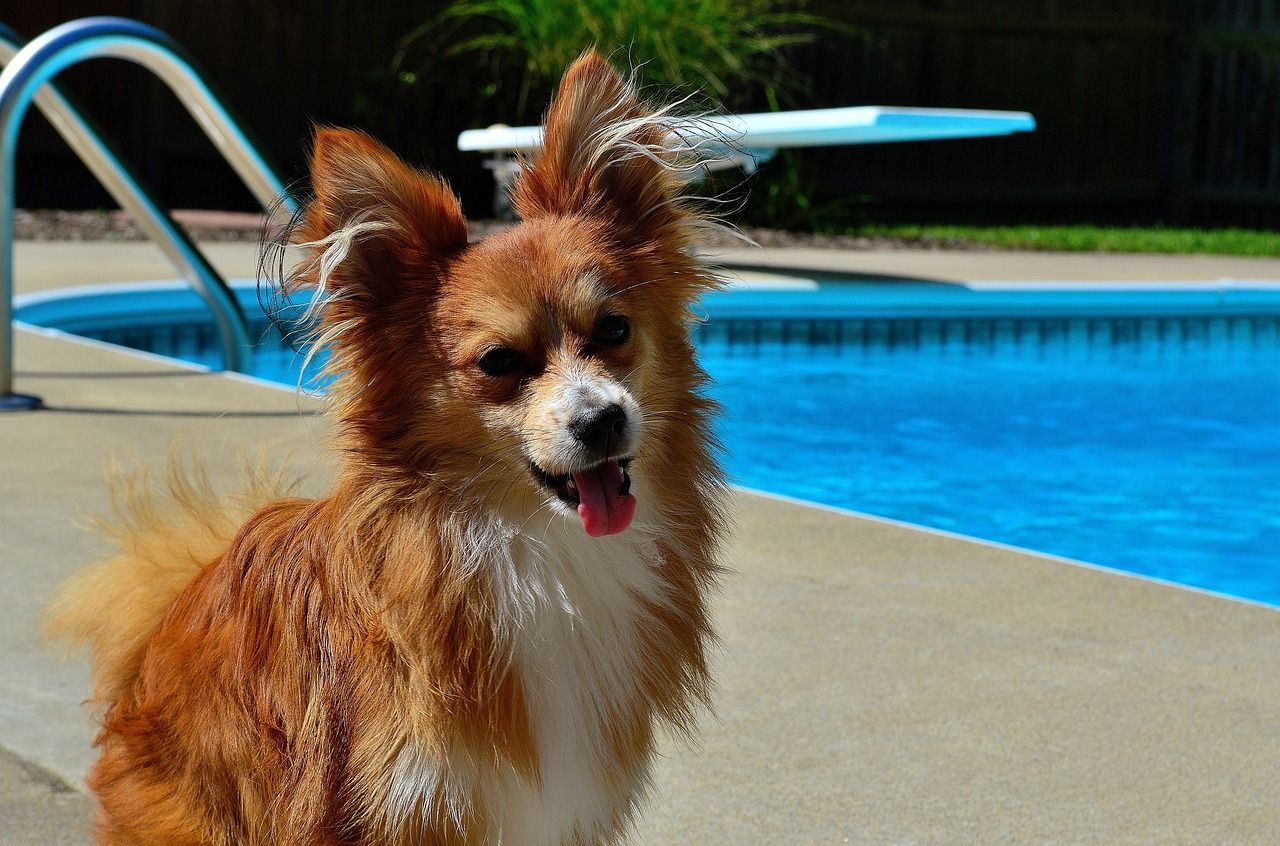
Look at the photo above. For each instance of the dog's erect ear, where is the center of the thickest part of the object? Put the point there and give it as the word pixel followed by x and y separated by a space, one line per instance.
pixel 375 222
pixel 605 154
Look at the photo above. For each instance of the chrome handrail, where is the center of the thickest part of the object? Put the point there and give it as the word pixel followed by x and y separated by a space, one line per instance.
pixel 26 78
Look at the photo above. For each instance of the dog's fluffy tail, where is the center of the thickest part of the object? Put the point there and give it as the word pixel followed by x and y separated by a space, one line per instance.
pixel 165 535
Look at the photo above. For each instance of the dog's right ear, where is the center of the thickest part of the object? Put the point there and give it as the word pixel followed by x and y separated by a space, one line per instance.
pixel 376 223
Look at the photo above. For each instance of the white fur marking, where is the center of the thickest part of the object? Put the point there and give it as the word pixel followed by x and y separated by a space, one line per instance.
pixel 570 607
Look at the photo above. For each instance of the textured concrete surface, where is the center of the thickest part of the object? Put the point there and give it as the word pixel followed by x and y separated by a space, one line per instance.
pixel 39 265
pixel 878 683
pixel 885 685
pixel 39 809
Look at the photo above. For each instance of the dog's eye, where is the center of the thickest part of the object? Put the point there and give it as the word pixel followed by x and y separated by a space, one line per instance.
pixel 500 361
pixel 611 330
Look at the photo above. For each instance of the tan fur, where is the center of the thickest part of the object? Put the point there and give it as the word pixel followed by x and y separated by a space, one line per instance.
pixel 165 534
pixel 404 659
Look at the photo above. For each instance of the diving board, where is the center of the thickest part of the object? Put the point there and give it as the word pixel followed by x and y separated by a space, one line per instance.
pixel 762 135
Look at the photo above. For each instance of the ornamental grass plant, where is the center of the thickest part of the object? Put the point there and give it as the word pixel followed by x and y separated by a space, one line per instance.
pixel 732 51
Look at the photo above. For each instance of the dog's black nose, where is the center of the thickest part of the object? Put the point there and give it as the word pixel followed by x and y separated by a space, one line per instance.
pixel 600 429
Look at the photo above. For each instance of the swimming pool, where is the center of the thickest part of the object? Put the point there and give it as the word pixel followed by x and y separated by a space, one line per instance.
pixel 1136 428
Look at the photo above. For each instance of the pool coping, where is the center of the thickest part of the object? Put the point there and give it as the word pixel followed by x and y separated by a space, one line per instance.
pixel 1008 547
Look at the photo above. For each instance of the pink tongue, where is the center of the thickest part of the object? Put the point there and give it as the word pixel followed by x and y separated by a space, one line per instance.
pixel 602 507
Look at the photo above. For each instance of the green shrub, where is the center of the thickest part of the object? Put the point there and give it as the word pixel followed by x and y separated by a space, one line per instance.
pixel 732 51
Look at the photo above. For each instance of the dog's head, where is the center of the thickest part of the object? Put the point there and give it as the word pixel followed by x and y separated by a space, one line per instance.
pixel 543 366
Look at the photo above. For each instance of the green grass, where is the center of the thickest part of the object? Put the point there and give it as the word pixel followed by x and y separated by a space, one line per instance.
pixel 1103 239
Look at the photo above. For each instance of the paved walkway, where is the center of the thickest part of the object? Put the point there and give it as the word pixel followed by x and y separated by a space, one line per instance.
pixel 878 683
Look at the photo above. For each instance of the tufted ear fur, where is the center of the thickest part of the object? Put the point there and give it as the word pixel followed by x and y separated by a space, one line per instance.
pixel 376 224
pixel 606 154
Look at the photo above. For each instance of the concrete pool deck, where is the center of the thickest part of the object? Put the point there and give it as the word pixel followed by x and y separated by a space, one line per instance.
pixel 878 683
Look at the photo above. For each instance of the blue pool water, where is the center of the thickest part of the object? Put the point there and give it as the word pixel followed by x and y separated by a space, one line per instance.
pixel 1159 461
pixel 1135 430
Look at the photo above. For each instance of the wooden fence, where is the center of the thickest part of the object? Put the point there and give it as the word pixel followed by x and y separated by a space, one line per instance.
pixel 1148 109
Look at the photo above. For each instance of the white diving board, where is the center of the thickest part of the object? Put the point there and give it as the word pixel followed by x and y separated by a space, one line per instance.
pixel 762 135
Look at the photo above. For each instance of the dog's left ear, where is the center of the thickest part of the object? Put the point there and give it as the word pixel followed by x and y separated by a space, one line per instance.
pixel 606 154
pixel 376 223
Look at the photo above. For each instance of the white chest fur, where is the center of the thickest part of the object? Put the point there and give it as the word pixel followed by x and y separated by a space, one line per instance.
pixel 572 605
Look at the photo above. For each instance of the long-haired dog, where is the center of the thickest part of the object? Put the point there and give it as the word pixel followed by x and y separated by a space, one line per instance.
pixel 475 635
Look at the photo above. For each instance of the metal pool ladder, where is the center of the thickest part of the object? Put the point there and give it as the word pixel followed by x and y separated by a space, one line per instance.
pixel 27 78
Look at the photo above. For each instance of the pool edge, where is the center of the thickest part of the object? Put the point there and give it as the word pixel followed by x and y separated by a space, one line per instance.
pixel 947 533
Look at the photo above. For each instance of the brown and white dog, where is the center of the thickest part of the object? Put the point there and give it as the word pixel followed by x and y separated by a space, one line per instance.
pixel 475 635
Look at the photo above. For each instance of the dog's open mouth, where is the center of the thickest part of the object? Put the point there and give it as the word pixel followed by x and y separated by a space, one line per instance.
pixel 600 494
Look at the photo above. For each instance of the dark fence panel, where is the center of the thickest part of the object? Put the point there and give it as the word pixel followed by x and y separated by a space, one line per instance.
pixel 1147 109
pixel 1235 156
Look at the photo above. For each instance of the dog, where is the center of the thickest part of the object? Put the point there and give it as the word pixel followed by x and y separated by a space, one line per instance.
pixel 476 634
